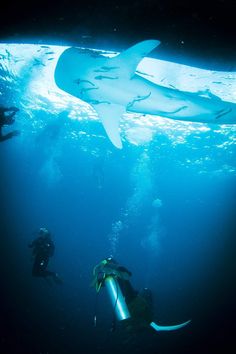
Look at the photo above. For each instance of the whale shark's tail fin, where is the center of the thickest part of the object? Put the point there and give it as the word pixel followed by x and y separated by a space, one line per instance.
pixel 168 328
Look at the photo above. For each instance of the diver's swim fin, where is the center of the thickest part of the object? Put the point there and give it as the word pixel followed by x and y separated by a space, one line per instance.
pixel 168 328
pixel 57 279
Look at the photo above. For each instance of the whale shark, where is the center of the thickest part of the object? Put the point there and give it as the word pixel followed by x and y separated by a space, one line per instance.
pixel 113 87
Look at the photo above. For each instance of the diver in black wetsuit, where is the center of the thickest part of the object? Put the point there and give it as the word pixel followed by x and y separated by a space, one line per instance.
pixel 132 309
pixel 43 249
pixel 7 118
pixel 139 303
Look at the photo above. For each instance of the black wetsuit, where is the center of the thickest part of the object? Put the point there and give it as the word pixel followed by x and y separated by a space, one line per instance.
pixel 139 303
pixel 43 249
pixel 7 120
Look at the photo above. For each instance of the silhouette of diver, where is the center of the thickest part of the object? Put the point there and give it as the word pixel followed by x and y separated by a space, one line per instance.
pixel 132 309
pixel 43 249
pixel 7 118
pixel 139 304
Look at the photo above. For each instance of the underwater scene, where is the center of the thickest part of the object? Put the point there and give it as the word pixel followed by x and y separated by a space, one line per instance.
pixel 118 199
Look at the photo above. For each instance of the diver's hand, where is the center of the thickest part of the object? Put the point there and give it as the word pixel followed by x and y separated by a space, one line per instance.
pixel 14 109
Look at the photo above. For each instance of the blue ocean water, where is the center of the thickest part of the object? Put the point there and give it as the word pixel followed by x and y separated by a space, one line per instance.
pixel 164 207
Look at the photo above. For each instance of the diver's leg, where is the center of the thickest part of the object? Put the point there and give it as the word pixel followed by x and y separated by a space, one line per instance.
pixel 47 274
pixel 56 278
pixel 36 270
pixel 54 275
pixel 39 267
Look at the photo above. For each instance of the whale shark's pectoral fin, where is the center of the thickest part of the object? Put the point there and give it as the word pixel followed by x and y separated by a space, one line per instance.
pixel 110 115
pixel 168 328
pixel 126 62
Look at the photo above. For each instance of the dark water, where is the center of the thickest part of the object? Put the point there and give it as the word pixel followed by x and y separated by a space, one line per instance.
pixel 97 200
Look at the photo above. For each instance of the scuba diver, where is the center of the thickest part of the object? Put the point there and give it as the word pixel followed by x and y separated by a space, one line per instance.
pixel 43 249
pixel 132 308
pixel 7 118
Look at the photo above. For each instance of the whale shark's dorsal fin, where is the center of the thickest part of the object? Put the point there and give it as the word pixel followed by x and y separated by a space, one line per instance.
pixel 127 61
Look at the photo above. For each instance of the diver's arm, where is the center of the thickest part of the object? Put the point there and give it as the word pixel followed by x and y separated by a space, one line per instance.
pixel 8 135
pixel 8 109
pixel 34 243
pixel 31 244
pixel 125 270
pixel 14 109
